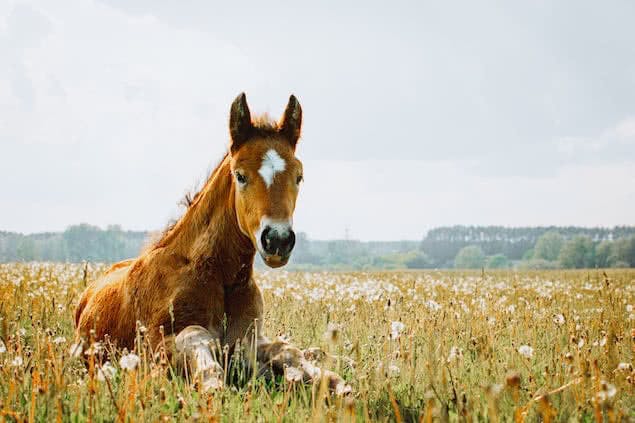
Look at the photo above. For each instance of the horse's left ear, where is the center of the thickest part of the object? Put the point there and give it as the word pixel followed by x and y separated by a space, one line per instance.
pixel 291 122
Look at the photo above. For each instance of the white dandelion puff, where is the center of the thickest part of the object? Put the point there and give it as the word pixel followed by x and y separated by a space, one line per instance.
pixel 395 329
pixel 456 354
pixel 106 371
pixel 76 349
pixel 526 351
pixel 559 319
pixel 129 361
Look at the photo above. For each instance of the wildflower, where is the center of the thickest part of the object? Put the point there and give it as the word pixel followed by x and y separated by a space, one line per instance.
pixel 59 340
pixel 94 349
pixel 129 361
pixel 76 349
pixel 581 342
pixel 293 374
pixel 625 367
pixel 17 361
pixel 3 347
pixel 526 351
pixel 629 308
pixel 106 371
pixel 494 390
pixel 456 354
pixel 433 305
pixel 606 392
pixel 393 370
pixel 511 309
pixel 559 319
pixel 395 329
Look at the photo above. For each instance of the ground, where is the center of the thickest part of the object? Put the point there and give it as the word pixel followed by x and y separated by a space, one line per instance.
pixel 434 345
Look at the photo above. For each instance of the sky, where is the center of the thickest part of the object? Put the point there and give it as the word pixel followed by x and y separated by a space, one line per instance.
pixel 416 114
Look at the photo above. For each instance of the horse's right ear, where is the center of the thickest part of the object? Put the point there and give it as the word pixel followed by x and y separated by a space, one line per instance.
pixel 240 127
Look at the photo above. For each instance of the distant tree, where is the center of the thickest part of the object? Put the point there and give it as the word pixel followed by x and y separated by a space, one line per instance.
pixel 529 254
pixel 497 261
pixel 605 254
pixel 548 246
pixel 578 253
pixel 417 260
pixel 624 250
pixel 470 257
pixel 26 249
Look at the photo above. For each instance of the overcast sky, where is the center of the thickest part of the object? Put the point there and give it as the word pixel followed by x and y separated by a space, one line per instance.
pixel 417 114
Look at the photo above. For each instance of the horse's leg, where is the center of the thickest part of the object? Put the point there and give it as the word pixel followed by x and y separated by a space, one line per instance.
pixel 282 357
pixel 193 347
pixel 244 311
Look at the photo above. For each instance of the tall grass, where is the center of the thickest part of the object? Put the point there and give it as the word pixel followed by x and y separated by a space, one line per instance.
pixel 426 346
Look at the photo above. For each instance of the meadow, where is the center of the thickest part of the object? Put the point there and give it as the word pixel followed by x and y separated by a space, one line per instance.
pixel 414 346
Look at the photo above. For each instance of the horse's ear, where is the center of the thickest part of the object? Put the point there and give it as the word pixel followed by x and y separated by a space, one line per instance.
pixel 291 122
pixel 240 127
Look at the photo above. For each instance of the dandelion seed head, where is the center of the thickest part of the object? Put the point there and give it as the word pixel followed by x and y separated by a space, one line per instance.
pixel 526 351
pixel 129 361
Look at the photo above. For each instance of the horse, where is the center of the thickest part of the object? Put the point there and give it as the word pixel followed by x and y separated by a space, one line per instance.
pixel 194 286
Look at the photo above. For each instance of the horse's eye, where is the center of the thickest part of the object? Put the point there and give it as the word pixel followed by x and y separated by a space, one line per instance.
pixel 242 180
pixel 299 179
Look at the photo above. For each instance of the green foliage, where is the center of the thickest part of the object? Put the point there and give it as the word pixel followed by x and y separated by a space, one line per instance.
pixel 578 253
pixel 417 260
pixel 538 264
pixel 624 251
pixel 497 261
pixel 548 246
pixel 470 257
pixel 529 254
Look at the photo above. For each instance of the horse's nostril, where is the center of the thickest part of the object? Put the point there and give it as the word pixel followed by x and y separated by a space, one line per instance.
pixel 290 242
pixel 276 243
pixel 265 238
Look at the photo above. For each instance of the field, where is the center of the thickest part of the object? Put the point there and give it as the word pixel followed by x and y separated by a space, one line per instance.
pixel 429 346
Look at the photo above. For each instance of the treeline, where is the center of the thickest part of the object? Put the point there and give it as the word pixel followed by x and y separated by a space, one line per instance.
pixel 538 247
pixel 75 244
pixel 446 247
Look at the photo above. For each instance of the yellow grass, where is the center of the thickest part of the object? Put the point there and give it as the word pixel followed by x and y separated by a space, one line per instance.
pixel 427 346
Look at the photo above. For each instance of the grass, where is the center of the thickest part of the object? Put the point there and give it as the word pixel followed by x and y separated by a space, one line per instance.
pixel 428 346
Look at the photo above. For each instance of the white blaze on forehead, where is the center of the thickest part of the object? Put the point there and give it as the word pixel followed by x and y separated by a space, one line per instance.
pixel 272 163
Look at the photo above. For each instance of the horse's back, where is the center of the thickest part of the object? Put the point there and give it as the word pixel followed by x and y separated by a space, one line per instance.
pixel 103 306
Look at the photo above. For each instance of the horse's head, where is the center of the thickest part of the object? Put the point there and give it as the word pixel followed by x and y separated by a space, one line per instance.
pixel 266 177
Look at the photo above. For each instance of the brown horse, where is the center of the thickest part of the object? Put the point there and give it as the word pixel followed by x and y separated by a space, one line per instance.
pixel 196 282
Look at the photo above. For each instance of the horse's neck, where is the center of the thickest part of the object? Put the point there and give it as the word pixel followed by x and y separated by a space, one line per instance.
pixel 208 236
